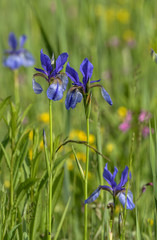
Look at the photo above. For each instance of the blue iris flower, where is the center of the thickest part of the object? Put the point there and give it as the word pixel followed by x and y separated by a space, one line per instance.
pixel 57 81
pixel 17 56
pixel 114 188
pixel 80 89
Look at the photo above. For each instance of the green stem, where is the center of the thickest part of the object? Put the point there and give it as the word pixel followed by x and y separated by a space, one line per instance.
pixel 50 174
pixel 86 180
pixel 16 87
pixel 11 192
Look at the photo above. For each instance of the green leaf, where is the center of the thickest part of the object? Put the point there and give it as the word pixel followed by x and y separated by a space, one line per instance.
pixel 4 143
pixel 79 165
pixel 3 105
pixel 12 232
pixel 5 155
pixel 62 219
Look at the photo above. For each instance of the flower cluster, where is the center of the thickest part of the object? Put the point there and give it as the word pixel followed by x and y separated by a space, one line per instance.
pixel 81 89
pixel 117 190
pixel 143 119
pixel 17 56
pixel 57 81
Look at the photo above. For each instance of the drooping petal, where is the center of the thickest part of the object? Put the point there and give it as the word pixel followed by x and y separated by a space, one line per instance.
pixel 61 60
pixel 55 91
pixel 45 62
pixel 95 81
pixel 86 69
pixel 72 98
pixel 22 40
pixel 40 70
pixel 129 204
pixel 13 61
pixel 107 188
pixel 72 74
pixel 64 79
pixel 36 87
pixel 106 96
pixel 124 177
pixel 27 59
pixel 94 196
pixel 109 177
pixel 12 41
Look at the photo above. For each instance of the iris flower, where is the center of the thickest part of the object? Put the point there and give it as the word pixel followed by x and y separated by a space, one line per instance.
pixel 17 56
pixel 57 81
pixel 81 89
pixel 114 188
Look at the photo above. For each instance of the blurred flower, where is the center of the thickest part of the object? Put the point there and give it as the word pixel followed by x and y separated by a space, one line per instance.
pixel 17 56
pixel 41 145
pixel 44 117
pixel 126 124
pixel 81 135
pixel 57 81
pixel 146 131
pixel 31 135
pixel 144 116
pixel 114 189
pixel 114 41
pixel 81 89
pixel 123 16
pixel 110 15
pixel 128 35
pixel 122 112
pixel 150 221
pixel 99 10
pixel 7 184
pixel 109 147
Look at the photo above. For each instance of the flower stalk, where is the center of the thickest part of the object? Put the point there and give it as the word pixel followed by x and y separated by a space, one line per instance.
pixel 16 87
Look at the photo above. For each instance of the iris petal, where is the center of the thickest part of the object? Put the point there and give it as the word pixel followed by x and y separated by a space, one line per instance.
pixel 72 74
pixel 129 204
pixel 23 38
pixel 27 59
pixel 12 41
pixel 106 96
pixel 45 62
pixel 55 91
pixel 36 87
pixel 13 61
pixel 64 79
pixel 124 177
pixel 109 177
pixel 94 196
pixel 86 69
pixel 72 98
pixel 61 60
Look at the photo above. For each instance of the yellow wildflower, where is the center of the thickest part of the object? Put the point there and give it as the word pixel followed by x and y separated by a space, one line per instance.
pixel 73 134
pixel 91 138
pixel 31 135
pixel 150 221
pixel 109 147
pixel 82 136
pixel 122 112
pixel 41 146
pixel 123 16
pixel 7 184
pixel 81 156
pixel 44 117
pixel 110 15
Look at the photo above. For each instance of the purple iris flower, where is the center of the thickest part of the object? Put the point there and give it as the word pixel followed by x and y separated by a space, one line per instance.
pixel 57 81
pixel 17 56
pixel 81 89
pixel 114 188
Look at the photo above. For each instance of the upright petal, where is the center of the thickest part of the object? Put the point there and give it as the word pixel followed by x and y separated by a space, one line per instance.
pixel 36 87
pixel 94 196
pixel 86 69
pixel 55 91
pixel 22 40
pixel 72 98
pixel 109 177
pixel 12 41
pixel 124 177
pixel 106 96
pixel 72 74
pixel 61 60
pixel 45 62
pixel 129 204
